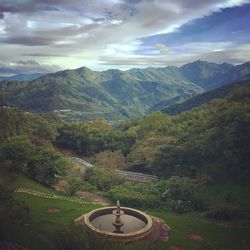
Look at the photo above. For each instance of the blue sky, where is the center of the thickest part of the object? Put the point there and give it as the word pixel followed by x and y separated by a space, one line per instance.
pixel 49 35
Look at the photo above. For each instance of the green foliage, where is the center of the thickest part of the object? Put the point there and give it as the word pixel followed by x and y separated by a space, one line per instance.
pixel 14 122
pixel 11 211
pixel 41 163
pixel 103 180
pixel 226 214
pixel 131 198
pixel 111 94
pixel 18 150
pixel 174 194
pixel 178 188
pixel 92 137
pixel 201 99
pixel 79 185
pixel 194 142
pixel 78 237
pixel 46 165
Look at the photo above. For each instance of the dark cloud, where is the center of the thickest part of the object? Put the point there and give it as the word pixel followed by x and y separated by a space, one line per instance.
pixel 15 6
pixel 43 55
pixel 25 67
pixel 111 32
pixel 28 40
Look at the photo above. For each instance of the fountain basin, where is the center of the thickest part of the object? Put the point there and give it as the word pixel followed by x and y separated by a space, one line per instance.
pixel 137 225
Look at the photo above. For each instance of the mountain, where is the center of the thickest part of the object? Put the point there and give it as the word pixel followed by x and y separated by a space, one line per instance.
pixel 114 94
pixel 23 77
pixel 206 97
pixel 205 74
pixel 211 75
pixel 175 100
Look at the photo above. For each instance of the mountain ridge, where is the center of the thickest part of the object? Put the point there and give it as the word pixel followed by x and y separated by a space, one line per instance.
pixel 199 100
pixel 115 94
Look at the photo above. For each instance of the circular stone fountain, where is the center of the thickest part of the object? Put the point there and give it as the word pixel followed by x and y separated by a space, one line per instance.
pixel 119 223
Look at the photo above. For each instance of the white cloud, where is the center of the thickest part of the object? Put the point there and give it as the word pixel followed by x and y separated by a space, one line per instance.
pixel 108 32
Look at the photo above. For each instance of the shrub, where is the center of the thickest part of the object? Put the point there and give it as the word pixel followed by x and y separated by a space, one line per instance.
pixel 226 214
pixel 102 179
pixel 133 199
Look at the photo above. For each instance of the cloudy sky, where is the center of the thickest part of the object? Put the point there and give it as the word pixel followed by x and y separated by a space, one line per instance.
pixel 49 35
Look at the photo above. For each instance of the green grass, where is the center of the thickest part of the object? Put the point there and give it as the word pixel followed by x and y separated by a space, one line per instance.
pixel 42 222
pixel 224 237
pixel 239 193
pixel 46 222
pixel 217 236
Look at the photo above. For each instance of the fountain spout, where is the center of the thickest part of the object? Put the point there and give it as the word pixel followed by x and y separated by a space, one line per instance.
pixel 118 223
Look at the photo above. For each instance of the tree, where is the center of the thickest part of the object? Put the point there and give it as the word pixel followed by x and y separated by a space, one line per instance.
pixel 18 150
pixel 46 165
pixel 110 160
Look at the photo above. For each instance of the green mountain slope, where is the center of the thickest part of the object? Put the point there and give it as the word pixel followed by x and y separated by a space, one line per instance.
pixel 206 97
pixel 211 75
pixel 114 94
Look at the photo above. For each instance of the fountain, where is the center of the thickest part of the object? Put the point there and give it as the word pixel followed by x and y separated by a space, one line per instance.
pixel 119 223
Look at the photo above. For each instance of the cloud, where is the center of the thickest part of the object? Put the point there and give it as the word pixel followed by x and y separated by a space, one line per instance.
pixel 222 52
pixel 27 67
pixel 162 48
pixel 43 55
pixel 96 33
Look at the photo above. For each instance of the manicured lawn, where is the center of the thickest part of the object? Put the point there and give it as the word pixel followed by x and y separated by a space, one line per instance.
pixel 42 222
pixel 216 236
pixel 45 224
pixel 238 192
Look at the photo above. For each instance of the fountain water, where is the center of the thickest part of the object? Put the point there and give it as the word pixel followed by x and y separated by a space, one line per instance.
pixel 128 225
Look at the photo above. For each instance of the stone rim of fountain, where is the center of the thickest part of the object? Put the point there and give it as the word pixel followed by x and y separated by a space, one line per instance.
pixel 132 236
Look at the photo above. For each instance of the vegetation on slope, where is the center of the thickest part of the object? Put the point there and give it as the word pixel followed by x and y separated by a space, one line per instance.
pixel 202 157
pixel 115 94
pixel 198 100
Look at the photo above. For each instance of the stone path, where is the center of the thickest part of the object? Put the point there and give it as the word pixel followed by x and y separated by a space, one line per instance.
pixel 49 196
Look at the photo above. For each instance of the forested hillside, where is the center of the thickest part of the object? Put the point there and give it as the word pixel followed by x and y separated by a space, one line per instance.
pixel 212 140
pixel 200 156
pixel 181 105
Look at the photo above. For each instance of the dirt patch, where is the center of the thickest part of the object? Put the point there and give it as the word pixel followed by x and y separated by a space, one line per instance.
pixel 95 198
pixel 53 210
pixel 194 237
pixel 61 186
pixel 177 248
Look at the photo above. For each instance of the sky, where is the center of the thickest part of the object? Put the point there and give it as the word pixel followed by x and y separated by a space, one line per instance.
pixel 51 35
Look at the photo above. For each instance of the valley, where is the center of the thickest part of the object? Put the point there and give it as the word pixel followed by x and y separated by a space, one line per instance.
pixel 200 156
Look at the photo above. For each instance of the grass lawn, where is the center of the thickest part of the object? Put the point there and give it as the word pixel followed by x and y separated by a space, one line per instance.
pixel 44 224
pixel 238 192
pixel 216 236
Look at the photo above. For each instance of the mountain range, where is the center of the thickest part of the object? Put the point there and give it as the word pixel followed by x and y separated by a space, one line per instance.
pixel 176 107
pixel 114 94
pixel 23 77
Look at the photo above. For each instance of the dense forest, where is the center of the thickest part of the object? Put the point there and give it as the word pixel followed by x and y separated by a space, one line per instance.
pixel 211 140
